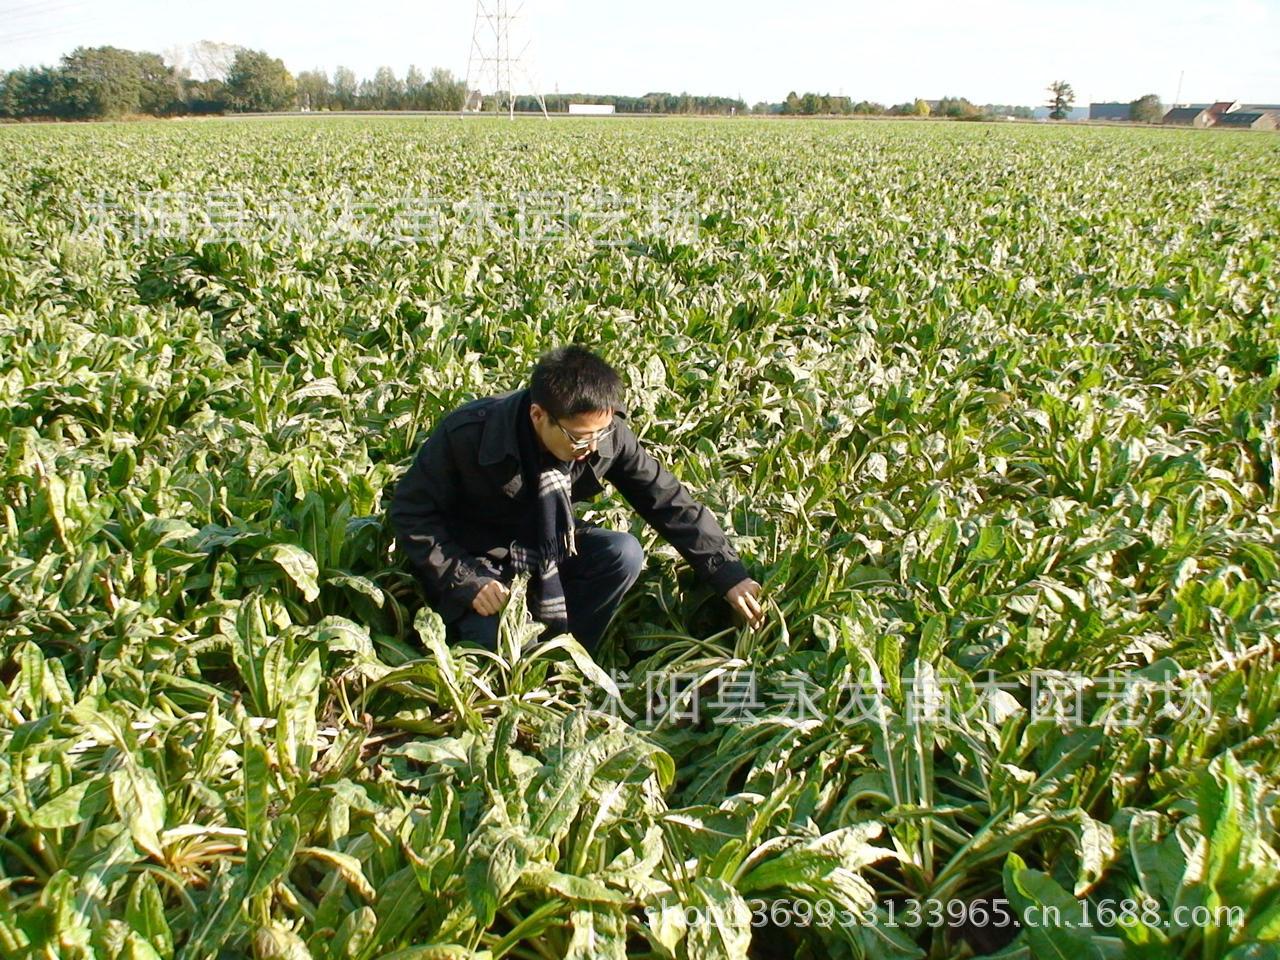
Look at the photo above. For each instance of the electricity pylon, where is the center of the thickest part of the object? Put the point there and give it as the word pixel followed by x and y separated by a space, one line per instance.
pixel 491 57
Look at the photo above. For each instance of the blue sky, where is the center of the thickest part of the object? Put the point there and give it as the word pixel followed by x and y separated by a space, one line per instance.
pixel 992 51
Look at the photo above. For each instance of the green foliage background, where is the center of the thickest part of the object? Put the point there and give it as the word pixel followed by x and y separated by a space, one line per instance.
pixel 982 405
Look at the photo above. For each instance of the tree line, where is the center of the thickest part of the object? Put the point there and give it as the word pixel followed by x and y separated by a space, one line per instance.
pixel 104 82
pixel 681 103
pixel 824 104
pixel 108 82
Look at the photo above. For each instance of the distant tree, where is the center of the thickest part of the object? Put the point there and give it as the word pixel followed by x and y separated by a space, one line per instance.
pixel 1007 110
pixel 32 92
pixel 958 108
pixel 205 96
pixel 100 82
pixel 1146 109
pixel 453 89
pixel 314 90
pixel 345 87
pixel 444 91
pixel 386 89
pixel 106 81
pixel 1061 97
pixel 922 108
pixel 161 91
pixel 260 82
pixel 414 87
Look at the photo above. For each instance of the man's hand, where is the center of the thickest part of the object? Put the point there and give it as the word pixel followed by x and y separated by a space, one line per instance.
pixel 491 598
pixel 744 598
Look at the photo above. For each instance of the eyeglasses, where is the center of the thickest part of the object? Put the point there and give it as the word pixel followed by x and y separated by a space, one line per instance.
pixel 582 443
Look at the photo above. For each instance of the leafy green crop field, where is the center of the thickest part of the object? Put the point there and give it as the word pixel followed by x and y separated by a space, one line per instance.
pixel 991 412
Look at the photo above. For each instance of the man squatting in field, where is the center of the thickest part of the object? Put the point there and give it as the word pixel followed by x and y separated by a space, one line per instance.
pixel 491 493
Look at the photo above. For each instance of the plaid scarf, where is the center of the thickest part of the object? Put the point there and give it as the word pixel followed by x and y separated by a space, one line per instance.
pixel 552 530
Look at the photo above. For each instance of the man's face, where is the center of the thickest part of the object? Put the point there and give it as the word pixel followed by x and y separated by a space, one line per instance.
pixel 555 434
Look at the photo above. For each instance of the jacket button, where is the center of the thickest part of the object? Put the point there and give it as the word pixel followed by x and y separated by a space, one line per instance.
pixel 482 414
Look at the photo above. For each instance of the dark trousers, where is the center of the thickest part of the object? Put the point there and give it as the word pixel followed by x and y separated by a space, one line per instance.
pixel 595 580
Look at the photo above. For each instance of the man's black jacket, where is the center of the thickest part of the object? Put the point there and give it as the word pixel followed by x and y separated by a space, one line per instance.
pixel 462 502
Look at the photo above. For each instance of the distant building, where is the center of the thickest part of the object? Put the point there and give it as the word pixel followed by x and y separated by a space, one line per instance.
pixel 1249 120
pixel 1226 113
pixel 1197 115
pixel 1110 111
pixel 591 109
pixel 1076 113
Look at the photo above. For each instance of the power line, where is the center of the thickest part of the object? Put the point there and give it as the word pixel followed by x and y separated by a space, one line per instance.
pixel 47 32
pixel 36 35
pixel 38 10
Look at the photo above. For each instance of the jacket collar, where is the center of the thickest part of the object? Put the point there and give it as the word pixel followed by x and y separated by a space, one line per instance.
pixel 499 440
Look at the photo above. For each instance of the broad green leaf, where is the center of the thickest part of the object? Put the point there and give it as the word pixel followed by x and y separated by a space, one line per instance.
pixel 256 780
pixel 361 585
pixel 399 903
pixel 598 932
pixel 725 933
pixel 278 860
pixel 494 865
pixel 296 719
pixel 75 804
pixel 298 564
pixel 274 942
pixel 141 804
pixel 433 951
pixel 1054 923
pixel 346 865
pixel 355 932
pixel 146 915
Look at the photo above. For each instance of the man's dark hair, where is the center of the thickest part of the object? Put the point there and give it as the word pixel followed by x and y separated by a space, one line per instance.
pixel 572 380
